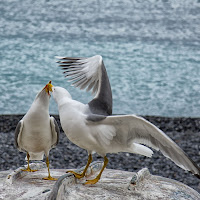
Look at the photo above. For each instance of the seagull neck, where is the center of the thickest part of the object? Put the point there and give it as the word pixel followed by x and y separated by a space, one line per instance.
pixel 41 103
pixel 64 100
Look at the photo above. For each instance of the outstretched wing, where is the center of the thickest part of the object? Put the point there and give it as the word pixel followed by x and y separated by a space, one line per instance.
pixel 133 129
pixel 55 131
pixel 90 74
pixel 18 132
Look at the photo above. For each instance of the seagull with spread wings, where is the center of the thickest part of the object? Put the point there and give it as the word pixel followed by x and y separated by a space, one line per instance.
pixel 93 127
pixel 37 132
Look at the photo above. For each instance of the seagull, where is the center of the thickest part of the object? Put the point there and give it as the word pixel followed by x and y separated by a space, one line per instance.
pixel 36 133
pixel 93 127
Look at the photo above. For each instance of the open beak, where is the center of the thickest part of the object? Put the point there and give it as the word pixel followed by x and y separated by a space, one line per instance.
pixel 48 88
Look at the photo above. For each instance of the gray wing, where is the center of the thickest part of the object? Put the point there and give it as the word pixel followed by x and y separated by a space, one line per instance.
pixel 133 129
pixel 55 131
pixel 18 132
pixel 90 73
pixel 95 117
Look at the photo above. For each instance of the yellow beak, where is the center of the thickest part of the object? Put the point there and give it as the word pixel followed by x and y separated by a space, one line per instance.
pixel 48 88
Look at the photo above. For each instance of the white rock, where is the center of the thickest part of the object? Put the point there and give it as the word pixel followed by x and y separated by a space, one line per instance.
pixel 114 184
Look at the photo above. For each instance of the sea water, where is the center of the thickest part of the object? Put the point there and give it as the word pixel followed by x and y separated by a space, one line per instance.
pixel 151 50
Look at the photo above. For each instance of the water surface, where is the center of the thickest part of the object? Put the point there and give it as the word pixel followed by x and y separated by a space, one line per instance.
pixel 151 50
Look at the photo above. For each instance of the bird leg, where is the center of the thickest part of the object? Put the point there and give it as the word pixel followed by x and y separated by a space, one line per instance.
pixel 93 181
pixel 77 175
pixel 28 169
pixel 49 176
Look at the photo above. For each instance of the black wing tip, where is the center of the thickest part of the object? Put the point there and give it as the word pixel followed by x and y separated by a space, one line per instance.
pixel 69 58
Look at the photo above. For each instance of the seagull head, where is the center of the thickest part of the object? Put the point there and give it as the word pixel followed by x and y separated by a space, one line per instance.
pixel 60 93
pixel 44 94
pixel 48 88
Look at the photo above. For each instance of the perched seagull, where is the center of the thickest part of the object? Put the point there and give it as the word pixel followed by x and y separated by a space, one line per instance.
pixel 92 127
pixel 37 132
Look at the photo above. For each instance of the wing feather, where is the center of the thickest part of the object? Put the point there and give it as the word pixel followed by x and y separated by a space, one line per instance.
pixel 55 131
pixel 89 68
pixel 90 74
pixel 18 132
pixel 133 129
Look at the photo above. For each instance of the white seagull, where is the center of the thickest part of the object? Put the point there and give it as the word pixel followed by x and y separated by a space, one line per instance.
pixel 93 127
pixel 37 132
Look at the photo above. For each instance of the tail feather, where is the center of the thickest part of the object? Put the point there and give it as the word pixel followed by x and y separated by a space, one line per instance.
pixel 36 156
pixel 140 149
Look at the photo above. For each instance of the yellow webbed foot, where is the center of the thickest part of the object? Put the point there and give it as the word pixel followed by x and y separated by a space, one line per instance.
pixel 50 178
pixel 93 181
pixel 28 169
pixel 77 175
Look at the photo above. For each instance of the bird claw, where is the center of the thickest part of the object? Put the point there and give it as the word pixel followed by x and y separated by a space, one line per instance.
pixel 50 178
pixel 90 182
pixel 29 170
pixel 76 174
